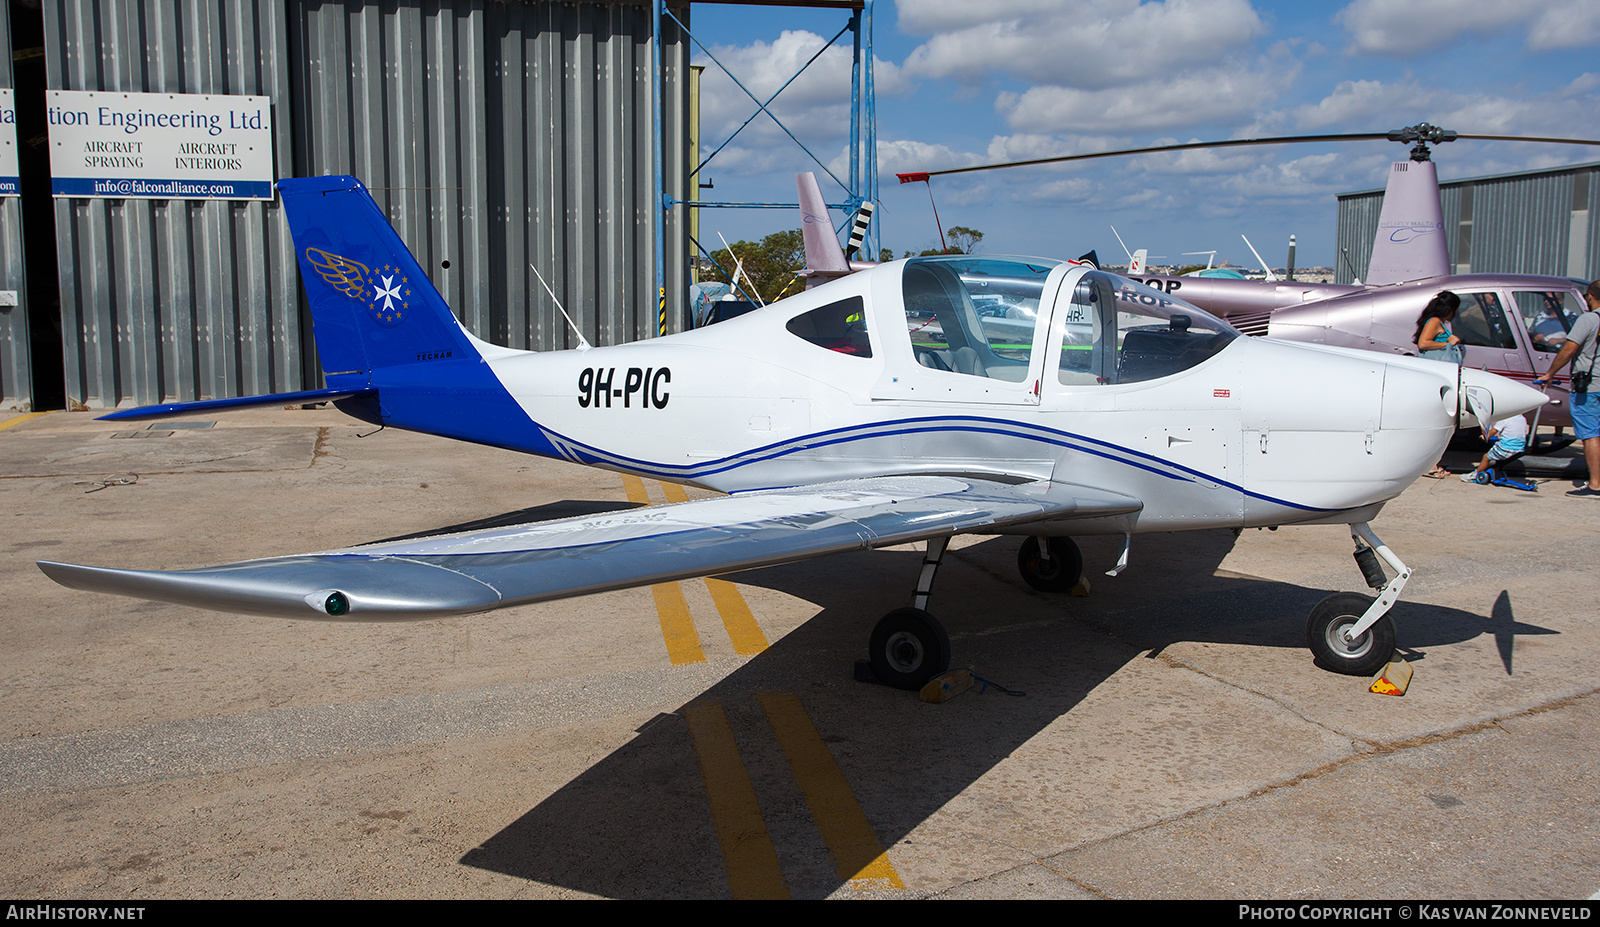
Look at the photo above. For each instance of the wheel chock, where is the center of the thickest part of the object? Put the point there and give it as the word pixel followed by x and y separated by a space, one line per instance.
pixel 1394 679
pixel 1081 589
pixel 946 686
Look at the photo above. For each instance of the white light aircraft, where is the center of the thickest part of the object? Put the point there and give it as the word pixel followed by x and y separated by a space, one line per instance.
pixel 871 410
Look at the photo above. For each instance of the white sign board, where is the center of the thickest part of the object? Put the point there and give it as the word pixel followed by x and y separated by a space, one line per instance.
pixel 10 179
pixel 160 145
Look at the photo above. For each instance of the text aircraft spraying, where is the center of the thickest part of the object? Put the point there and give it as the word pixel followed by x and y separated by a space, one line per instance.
pixel 1509 324
pixel 875 409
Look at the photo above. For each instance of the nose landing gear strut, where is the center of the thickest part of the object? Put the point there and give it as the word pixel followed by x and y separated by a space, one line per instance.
pixel 1351 633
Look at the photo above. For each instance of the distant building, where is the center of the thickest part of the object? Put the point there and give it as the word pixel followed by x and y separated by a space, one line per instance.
pixel 1531 222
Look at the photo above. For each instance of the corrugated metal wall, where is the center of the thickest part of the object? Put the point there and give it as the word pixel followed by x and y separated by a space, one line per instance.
pixel 1520 223
pixel 491 133
pixel 16 368
pixel 175 299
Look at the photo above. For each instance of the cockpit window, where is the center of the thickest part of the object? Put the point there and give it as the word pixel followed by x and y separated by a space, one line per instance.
pixel 1548 316
pixel 974 316
pixel 840 326
pixel 1119 331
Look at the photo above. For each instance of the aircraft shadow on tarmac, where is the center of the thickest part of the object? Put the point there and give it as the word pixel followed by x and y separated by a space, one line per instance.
pixel 638 823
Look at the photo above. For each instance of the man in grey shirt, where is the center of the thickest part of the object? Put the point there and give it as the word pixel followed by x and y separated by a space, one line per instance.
pixel 1579 351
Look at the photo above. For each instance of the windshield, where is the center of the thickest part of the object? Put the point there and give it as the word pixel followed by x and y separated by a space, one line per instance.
pixel 1120 331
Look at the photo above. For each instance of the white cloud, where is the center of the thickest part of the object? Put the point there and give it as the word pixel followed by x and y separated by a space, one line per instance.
pixel 1374 105
pixel 1387 27
pixel 1565 24
pixel 1083 44
pixel 1226 93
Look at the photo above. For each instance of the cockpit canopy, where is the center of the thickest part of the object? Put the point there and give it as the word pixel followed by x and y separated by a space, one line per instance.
pixel 978 316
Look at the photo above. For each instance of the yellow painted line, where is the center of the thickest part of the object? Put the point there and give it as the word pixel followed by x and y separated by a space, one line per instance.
pixel 677 626
pixel 746 635
pixel 736 617
pixel 23 418
pixel 747 851
pixel 634 487
pixel 857 854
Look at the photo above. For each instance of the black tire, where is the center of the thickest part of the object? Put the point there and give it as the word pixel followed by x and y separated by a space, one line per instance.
pixel 1324 632
pixel 1058 574
pixel 908 648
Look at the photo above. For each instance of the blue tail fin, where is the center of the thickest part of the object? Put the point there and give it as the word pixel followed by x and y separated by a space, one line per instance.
pixel 372 303
pixel 383 331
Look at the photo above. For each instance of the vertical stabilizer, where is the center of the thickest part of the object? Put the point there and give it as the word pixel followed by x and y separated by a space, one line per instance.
pixel 372 303
pixel 1410 243
pixel 1137 261
pixel 824 258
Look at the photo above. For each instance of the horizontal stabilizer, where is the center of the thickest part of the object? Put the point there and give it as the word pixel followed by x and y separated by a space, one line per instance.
pixel 240 402
pixel 476 571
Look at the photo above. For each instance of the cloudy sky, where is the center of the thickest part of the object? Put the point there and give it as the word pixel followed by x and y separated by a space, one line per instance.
pixel 963 83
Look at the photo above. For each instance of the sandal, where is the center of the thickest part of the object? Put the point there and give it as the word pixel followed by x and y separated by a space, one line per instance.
pixel 1437 473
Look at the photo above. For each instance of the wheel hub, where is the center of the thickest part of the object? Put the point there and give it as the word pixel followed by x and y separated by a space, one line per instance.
pixel 1351 648
pixel 904 651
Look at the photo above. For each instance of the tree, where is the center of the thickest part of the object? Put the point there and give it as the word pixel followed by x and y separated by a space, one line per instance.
pixel 958 240
pixel 770 265
pixel 963 240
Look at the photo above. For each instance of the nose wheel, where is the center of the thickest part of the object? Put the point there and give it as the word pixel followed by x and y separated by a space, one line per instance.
pixel 1327 631
pixel 1351 633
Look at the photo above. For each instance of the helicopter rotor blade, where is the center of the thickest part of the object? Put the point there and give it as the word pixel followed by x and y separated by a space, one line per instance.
pixel 1423 133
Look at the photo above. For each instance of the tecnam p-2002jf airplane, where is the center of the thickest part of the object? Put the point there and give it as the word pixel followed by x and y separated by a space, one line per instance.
pixel 897 404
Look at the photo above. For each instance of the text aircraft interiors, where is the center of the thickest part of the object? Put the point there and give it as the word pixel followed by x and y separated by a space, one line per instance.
pixel 911 401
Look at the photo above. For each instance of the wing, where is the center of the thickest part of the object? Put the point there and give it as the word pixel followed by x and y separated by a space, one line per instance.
pixel 472 572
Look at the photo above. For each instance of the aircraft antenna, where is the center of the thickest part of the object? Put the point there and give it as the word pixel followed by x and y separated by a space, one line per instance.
pixel 1263 264
pixel 738 271
pixel 1123 244
pixel 583 343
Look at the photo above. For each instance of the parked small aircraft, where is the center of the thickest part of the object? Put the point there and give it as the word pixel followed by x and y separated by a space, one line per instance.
pixel 836 421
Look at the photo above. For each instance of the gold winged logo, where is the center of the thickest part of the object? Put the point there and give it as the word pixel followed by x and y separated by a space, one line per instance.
pixel 347 276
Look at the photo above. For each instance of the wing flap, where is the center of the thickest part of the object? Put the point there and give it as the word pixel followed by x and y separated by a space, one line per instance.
pixel 477 571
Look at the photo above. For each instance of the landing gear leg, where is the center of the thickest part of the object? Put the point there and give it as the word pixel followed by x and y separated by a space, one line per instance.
pixel 1351 633
pixel 908 645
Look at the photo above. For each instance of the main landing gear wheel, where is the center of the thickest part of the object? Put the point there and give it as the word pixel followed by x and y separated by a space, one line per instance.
pixel 1325 632
pixel 1057 574
pixel 908 648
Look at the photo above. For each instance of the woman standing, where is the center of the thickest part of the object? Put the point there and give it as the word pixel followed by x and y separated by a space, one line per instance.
pixel 1435 341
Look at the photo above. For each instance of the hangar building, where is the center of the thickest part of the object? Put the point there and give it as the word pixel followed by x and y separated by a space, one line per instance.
pixel 494 134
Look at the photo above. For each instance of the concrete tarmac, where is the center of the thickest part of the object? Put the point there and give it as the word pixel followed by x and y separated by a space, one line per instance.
pixel 700 740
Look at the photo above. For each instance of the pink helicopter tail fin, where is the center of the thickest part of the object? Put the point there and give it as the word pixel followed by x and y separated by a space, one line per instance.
pixel 1410 243
pixel 824 258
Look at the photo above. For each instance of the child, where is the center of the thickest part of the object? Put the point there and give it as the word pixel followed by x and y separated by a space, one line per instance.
pixel 1508 438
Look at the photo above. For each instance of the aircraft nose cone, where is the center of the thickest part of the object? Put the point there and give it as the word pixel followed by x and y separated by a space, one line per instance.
pixel 1510 397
